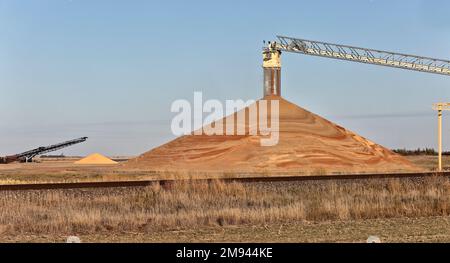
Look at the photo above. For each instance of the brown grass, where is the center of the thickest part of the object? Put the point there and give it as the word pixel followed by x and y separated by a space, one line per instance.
pixel 429 162
pixel 192 205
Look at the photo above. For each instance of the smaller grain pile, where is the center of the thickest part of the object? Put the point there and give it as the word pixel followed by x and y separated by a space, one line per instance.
pixel 95 158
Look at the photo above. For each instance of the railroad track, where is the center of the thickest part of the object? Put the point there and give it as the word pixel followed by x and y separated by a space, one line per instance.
pixel 168 182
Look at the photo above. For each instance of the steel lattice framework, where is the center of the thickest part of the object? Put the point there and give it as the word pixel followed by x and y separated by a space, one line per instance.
pixel 364 55
pixel 28 155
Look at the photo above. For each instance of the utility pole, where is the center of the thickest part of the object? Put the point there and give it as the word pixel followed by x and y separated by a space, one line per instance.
pixel 439 107
pixel 440 137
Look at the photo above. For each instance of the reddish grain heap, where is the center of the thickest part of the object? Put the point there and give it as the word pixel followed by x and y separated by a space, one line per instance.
pixel 308 144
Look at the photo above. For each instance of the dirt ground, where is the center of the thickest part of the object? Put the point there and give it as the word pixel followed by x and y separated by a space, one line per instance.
pixel 64 170
pixel 429 229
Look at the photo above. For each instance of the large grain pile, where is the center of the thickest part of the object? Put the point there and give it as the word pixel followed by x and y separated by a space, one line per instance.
pixel 308 144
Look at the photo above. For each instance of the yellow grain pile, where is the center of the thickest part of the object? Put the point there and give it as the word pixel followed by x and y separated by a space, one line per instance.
pixel 95 158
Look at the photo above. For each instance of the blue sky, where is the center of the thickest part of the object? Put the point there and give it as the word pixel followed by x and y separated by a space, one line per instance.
pixel 111 69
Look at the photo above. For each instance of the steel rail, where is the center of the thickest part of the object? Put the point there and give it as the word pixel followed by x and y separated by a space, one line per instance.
pixel 168 182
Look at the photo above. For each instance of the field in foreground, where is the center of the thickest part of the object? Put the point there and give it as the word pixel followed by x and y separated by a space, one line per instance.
pixel 397 210
pixel 424 229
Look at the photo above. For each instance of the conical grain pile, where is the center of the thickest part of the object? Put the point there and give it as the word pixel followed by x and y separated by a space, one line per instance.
pixel 95 158
pixel 308 144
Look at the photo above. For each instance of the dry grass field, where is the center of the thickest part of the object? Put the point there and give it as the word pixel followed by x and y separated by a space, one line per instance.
pixel 429 162
pixel 347 211
pixel 329 211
